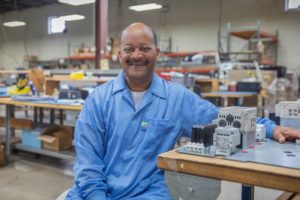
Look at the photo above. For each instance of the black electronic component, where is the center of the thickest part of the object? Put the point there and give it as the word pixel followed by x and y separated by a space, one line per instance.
pixel 208 134
pixel 229 118
pixel 197 134
pixel 236 124
pixel 222 123
pixel 73 94
pixel 248 86
pixel 193 138
pixel 200 135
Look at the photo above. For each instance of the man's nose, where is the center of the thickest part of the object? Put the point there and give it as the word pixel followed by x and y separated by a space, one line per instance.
pixel 137 54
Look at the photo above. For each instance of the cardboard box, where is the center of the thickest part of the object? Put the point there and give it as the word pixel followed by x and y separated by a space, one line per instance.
pixel 57 138
pixel 31 138
pixel 1 155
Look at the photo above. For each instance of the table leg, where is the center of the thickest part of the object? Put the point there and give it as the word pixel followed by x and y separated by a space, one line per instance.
pixel 12 115
pixel 52 116
pixel 247 192
pixel 41 115
pixel 240 101
pixel 61 116
pixel 35 114
pixel 9 108
pixel 225 101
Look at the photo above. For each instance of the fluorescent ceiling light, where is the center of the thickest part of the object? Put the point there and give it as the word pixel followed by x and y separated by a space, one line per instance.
pixel 143 7
pixel 14 24
pixel 72 17
pixel 76 2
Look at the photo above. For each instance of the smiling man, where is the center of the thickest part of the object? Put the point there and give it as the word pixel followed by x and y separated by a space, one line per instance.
pixel 126 123
pixel 138 56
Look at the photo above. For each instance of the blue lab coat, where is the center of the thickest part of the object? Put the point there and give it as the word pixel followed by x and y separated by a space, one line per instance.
pixel 117 144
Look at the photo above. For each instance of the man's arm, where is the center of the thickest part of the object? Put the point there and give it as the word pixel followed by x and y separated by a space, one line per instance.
pixel 90 180
pixel 196 110
pixel 283 134
pixel 279 133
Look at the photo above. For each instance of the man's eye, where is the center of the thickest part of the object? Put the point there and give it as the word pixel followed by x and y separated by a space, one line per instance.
pixel 128 50
pixel 145 49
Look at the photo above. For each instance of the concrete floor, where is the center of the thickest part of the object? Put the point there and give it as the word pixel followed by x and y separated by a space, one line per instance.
pixel 34 178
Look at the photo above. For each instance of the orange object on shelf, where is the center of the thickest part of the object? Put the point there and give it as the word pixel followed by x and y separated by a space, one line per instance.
pixel 183 54
pixel 249 34
pixel 199 70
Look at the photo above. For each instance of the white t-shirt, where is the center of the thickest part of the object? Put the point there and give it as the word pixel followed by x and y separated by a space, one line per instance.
pixel 137 97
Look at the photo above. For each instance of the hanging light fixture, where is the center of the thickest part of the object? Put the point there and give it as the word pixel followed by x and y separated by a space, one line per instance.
pixel 145 7
pixel 14 23
pixel 76 2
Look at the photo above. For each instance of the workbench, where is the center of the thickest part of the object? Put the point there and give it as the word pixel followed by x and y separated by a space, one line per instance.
pixel 10 105
pixel 249 173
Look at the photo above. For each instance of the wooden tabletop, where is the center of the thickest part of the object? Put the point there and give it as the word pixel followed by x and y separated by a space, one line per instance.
pixel 229 94
pixel 14 71
pixel 92 79
pixel 281 178
pixel 9 101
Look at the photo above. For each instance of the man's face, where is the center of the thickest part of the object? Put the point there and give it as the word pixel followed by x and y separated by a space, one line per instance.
pixel 138 55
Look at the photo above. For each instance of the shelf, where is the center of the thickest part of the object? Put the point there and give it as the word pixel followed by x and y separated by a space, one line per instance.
pixel 96 72
pixel 63 78
pixel 200 70
pixel 184 54
pixel 85 57
pixel 66 155
pixel 243 52
pixel 90 57
pixel 14 71
pixel 247 35
pixel 53 82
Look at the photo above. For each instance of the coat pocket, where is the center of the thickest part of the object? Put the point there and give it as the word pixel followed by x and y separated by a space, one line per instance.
pixel 160 136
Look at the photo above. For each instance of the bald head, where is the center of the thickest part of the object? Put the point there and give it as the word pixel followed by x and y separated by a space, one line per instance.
pixel 139 27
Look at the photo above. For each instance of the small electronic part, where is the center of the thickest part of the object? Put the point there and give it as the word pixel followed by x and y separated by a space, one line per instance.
pixel 260 132
pixel 208 132
pixel 195 147
pixel 226 140
pixel 289 113
pixel 202 138
pixel 197 134
pixel 242 118
pixel 288 109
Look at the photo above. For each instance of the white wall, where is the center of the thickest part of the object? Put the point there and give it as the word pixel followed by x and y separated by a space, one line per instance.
pixel 192 24
pixel 34 36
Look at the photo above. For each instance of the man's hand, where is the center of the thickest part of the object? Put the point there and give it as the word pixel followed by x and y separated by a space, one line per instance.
pixel 283 134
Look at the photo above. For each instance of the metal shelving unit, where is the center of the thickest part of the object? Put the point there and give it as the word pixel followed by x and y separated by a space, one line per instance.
pixel 251 51
pixel 66 155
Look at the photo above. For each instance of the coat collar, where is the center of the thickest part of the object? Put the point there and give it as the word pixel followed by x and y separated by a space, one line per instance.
pixel 157 86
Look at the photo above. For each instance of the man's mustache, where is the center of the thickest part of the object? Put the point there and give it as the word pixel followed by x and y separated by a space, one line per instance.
pixel 137 63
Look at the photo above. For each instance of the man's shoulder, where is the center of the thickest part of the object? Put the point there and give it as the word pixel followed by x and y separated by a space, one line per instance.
pixel 175 88
pixel 103 90
pixel 105 86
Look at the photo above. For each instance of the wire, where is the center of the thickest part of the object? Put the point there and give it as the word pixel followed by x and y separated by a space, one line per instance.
pixel 15 4
pixel 6 40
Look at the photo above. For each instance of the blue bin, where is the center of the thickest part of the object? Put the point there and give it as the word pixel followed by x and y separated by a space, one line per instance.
pixel 31 138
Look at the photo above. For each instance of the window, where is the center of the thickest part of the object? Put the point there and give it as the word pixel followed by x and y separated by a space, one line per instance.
pixel 56 25
pixel 292 5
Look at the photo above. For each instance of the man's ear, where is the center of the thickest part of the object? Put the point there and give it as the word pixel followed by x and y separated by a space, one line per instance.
pixel 157 53
pixel 119 56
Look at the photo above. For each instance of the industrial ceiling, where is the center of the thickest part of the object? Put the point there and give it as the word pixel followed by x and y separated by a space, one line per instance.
pixel 18 5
